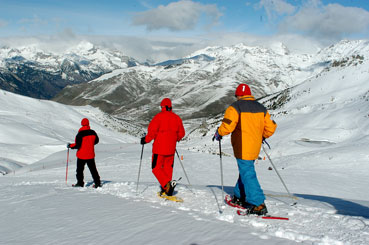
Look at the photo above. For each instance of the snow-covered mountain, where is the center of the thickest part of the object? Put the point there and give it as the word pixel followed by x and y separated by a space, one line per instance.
pixel 203 84
pixel 329 109
pixel 33 72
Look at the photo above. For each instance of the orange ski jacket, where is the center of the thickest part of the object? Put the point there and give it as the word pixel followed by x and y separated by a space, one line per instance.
pixel 249 122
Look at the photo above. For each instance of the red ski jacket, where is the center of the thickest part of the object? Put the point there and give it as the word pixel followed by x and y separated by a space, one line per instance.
pixel 86 139
pixel 166 128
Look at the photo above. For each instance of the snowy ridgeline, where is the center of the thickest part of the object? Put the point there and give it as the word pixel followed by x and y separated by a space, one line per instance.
pixel 85 55
pixel 200 87
pixel 320 149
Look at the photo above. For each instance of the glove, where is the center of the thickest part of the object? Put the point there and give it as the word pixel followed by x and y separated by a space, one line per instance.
pixel 217 136
pixel 143 141
pixel 68 145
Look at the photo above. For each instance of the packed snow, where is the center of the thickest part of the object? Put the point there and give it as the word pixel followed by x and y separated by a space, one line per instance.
pixel 320 149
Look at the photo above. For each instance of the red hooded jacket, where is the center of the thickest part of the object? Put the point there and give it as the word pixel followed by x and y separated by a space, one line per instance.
pixel 166 128
pixel 85 141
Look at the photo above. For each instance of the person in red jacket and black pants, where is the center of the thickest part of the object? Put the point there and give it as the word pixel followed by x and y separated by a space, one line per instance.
pixel 166 129
pixel 85 142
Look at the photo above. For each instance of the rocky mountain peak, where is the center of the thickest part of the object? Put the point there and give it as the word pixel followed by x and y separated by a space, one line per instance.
pixel 28 70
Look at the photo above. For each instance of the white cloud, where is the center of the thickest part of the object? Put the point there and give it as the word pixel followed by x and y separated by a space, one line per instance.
pixel 273 8
pixel 177 16
pixel 161 48
pixel 332 21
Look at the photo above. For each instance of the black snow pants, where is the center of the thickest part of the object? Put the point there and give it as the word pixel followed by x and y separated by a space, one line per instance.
pixel 92 166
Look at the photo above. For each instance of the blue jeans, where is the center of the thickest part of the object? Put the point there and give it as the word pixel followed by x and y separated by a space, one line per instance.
pixel 248 187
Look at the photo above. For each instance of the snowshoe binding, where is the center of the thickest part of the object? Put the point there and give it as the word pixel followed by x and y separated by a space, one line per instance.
pixel 258 210
pixel 237 202
pixel 169 188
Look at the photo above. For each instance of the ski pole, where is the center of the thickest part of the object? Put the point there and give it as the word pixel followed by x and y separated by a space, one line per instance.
pixel 184 171
pixel 66 172
pixel 290 195
pixel 221 167
pixel 139 169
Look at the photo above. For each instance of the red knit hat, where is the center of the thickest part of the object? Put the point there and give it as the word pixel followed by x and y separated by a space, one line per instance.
pixel 166 102
pixel 85 122
pixel 242 89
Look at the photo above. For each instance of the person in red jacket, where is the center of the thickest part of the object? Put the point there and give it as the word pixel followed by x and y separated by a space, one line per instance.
pixel 166 129
pixel 85 142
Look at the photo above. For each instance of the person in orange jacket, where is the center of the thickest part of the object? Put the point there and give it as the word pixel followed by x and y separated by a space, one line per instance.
pixel 166 129
pixel 250 123
pixel 85 142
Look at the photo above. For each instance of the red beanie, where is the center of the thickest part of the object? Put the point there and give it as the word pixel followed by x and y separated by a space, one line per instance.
pixel 85 122
pixel 166 102
pixel 242 89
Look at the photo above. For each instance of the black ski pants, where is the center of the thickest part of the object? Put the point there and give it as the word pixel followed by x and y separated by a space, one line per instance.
pixel 92 166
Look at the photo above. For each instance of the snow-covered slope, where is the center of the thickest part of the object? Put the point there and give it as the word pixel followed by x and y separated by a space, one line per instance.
pixel 325 126
pixel 115 214
pixel 32 129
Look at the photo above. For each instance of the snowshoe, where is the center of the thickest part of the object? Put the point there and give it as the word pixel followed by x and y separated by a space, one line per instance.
pixel 233 202
pixel 170 198
pixel 96 186
pixel 237 202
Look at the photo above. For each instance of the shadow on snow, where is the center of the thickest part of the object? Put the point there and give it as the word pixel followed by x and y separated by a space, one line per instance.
pixel 344 207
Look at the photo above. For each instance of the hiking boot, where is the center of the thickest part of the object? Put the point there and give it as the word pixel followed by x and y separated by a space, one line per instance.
pixel 78 185
pixel 165 189
pixel 259 210
pixel 169 187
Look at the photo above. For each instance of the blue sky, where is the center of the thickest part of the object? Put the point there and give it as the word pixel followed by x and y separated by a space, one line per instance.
pixel 185 22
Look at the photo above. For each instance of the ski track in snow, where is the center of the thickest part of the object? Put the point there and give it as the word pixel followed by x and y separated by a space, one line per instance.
pixel 314 220
pixel 315 225
pixel 319 225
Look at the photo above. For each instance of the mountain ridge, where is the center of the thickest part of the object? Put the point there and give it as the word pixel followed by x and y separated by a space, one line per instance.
pixel 203 87
pixel 36 73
